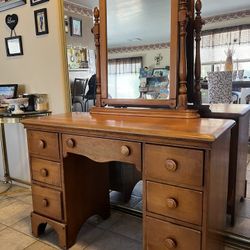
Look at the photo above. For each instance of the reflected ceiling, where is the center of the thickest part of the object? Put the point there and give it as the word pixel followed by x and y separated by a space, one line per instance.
pixel 139 19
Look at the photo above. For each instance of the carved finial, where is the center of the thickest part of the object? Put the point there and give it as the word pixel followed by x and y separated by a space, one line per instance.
pixel 96 13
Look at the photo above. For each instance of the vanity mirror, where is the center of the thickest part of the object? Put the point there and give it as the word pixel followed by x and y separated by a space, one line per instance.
pixel 142 53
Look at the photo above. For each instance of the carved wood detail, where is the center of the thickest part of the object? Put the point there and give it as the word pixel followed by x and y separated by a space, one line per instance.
pixel 183 19
pixel 96 31
pixel 198 23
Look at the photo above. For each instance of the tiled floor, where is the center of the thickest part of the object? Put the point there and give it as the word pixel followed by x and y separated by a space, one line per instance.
pixel 120 231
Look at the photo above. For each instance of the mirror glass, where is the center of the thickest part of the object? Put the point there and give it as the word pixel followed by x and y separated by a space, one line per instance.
pixel 138 43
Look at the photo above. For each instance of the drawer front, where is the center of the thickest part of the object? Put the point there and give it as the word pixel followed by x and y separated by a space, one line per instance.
pixel 43 144
pixel 179 203
pixel 180 165
pixel 47 202
pixel 164 235
pixel 103 150
pixel 46 171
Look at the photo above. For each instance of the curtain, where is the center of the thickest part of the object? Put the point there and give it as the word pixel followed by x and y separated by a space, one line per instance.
pixel 226 36
pixel 124 65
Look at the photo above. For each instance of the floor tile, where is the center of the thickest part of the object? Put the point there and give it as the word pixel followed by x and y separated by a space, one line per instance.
pixel 129 226
pixel 244 209
pixel 2 227
pixel 242 227
pixel 105 224
pixel 6 201
pixel 23 226
pixel 13 240
pixel 14 212
pixel 112 241
pixel 17 191
pixel 40 246
pixel 87 235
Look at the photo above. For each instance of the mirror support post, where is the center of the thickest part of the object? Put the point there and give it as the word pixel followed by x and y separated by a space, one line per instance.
pixel 183 19
pixel 96 31
pixel 198 23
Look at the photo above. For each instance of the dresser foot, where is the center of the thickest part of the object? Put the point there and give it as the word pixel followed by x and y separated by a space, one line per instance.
pixel 39 224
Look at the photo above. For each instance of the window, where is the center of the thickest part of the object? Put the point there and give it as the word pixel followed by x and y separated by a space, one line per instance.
pixel 123 77
pixel 215 43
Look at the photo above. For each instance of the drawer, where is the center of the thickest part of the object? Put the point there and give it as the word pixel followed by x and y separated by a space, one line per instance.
pixel 164 235
pixel 47 202
pixel 44 144
pixel 103 150
pixel 46 171
pixel 179 203
pixel 180 165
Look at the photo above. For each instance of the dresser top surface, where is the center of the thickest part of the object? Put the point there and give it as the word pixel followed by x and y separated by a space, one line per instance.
pixel 201 129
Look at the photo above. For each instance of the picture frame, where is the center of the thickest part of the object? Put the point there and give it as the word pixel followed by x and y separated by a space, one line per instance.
pixel 160 72
pixel 75 26
pixel 35 2
pixel 11 4
pixel 41 22
pixel 14 46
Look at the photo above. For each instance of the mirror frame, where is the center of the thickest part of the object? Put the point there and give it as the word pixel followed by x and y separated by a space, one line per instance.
pixel 174 63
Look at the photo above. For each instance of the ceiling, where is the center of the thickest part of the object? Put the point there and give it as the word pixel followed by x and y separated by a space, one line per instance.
pixel 139 22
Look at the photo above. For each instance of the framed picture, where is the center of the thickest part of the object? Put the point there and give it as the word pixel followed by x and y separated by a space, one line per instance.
pixel 6 5
pixel 41 22
pixel 160 72
pixel 35 2
pixel 14 46
pixel 75 26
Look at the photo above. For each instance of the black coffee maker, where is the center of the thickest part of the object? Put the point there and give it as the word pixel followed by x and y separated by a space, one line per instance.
pixel 31 102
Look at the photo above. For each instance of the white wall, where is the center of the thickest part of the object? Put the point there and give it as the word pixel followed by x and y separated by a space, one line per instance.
pixel 40 69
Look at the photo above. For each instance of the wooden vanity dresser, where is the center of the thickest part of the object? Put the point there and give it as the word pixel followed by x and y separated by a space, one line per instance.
pixel 184 164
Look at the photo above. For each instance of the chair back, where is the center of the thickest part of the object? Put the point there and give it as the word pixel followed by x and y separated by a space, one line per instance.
pixel 78 87
pixel 220 87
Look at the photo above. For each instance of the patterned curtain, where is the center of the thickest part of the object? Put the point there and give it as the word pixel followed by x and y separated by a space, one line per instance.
pixel 124 65
pixel 226 36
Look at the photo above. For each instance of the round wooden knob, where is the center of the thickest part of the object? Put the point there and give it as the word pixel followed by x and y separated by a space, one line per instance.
pixel 45 202
pixel 172 203
pixel 44 172
pixel 42 144
pixel 71 143
pixel 171 165
pixel 170 243
pixel 125 150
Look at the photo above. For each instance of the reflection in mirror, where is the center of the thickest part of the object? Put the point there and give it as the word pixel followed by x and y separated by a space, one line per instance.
pixel 138 42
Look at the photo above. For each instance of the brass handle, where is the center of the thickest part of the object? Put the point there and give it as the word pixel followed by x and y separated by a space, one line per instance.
pixel 125 150
pixel 45 202
pixel 42 144
pixel 71 143
pixel 171 165
pixel 172 203
pixel 170 243
pixel 44 172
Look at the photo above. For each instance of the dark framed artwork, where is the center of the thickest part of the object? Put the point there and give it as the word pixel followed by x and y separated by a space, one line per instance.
pixel 35 2
pixel 41 22
pixel 10 4
pixel 75 26
pixel 14 46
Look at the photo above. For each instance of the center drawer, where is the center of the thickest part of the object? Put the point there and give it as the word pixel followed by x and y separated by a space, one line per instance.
pixel 47 202
pixel 179 203
pixel 103 150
